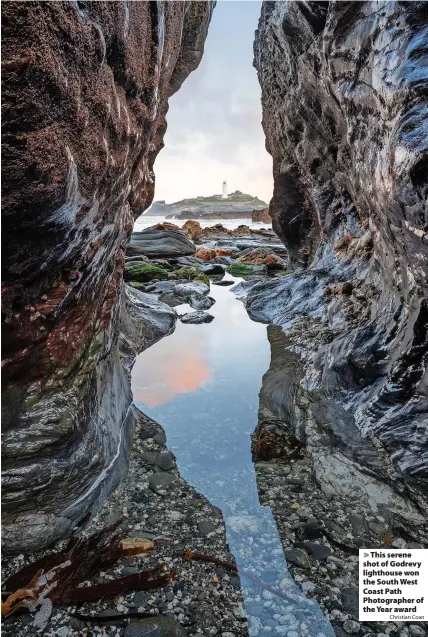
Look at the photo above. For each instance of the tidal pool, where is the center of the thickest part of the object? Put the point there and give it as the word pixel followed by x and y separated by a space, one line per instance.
pixel 202 385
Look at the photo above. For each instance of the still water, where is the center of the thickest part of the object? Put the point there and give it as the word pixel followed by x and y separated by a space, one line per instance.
pixel 202 384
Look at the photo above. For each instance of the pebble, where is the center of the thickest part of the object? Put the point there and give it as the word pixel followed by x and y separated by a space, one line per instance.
pixel 160 438
pixel 351 627
pixel 129 571
pixel 140 598
pixel 165 460
pixel 416 631
pixel 205 527
pixel 267 595
pixel 297 557
pixel 159 481
pixel 350 600
pixel 308 586
pixel 76 624
pixel 317 551
pixel 254 608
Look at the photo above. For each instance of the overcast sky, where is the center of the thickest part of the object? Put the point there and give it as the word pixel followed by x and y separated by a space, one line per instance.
pixel 214 121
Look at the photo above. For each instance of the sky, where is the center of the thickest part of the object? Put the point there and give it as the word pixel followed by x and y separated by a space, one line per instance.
pixel 214 121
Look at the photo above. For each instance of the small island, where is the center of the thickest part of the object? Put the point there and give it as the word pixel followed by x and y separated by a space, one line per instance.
pixel 236 205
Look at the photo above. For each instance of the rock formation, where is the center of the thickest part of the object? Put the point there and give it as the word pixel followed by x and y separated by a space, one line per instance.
pixel 160 243
pixel 85 93
pixel 344 113
pixel 262 216
pixel 238 205
pixel 264 255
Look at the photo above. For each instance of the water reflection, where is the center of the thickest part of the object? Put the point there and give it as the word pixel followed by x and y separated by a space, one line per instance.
pixel 202 385
pixel 182 370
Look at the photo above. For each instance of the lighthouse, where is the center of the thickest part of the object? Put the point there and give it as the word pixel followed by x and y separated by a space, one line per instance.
pixel 224 194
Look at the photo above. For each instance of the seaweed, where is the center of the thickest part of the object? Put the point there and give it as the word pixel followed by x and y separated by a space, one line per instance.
pixel 55 578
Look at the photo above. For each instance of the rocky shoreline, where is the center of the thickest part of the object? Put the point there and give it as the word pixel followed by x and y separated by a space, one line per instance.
pixel 155 502
pixel 152 499
pixel 320 537
pixel 341 445
pixel 338 119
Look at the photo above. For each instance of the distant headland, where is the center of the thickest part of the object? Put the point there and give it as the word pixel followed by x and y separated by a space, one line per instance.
pixel 235 205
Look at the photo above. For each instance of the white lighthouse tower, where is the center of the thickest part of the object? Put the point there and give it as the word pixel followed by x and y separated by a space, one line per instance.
pixel 224 194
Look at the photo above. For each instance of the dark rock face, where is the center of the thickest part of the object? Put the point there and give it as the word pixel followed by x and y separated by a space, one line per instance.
pixel 144 321
pixel 85 91
pixel 160 243
pixel 262 216
pixel 344 114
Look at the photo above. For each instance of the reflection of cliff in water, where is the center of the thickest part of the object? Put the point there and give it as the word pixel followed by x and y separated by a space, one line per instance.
pixel 295 423
pixel 275 435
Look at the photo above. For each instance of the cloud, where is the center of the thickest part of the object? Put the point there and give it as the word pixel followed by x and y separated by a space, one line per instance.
pixel 214 121
pixel 176 366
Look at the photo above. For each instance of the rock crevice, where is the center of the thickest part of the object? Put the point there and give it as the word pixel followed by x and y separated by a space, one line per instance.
pixel 85 92
pixel 344 113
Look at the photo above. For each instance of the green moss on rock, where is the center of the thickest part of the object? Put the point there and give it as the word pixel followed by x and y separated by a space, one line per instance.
pixel 203 278
pixel 240 269
pixel 186 273
pixel 143 272
pixel 192 274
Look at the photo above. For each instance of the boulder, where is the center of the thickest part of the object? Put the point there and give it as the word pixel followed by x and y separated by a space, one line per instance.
pixel 167 225
pixel 193 229
pixel 225 252
pixel 188 262
pixel 138 259
pixel 247 269
pixel 186 290
pixel 261 216
pixel 264 256
pixel 191 274
pixel 224 282
pixel 162 263
pixel 241 230
pixel 205 253
pixel 196 318
pixel 217 230
pixel 161 287
pixel 143 272
pixel 224 260
pixel 201 302
pixel 211 268
pixel 153 243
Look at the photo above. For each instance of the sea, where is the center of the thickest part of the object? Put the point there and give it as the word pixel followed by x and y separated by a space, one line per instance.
pixel 145 221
